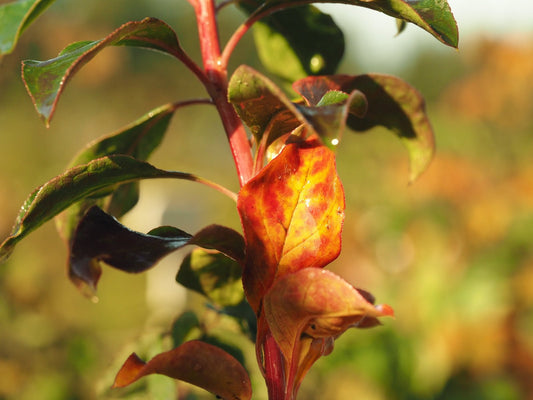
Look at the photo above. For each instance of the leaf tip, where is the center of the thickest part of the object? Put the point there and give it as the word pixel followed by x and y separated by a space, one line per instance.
pixel 385 310
pixel 129 372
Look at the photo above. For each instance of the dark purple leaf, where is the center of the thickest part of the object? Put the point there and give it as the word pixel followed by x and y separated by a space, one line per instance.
pixel 101 238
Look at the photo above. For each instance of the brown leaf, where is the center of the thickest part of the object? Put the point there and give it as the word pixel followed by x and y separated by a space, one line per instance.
pixel 315 303
pixel 195 362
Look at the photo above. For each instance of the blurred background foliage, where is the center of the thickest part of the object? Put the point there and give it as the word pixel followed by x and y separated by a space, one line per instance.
pixel 451 253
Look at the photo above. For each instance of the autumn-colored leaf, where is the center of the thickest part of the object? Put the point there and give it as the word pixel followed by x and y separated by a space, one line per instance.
pixel 195 362
pixel 292 214
pixel 317 303
pixel 307 310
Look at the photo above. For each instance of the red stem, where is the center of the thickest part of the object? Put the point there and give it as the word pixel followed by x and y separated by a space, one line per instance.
pixel 274 371
pixel 217 87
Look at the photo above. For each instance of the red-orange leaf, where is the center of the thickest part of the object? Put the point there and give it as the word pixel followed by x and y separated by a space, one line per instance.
pixel 195 362
pixel 316 303
pixel 292 214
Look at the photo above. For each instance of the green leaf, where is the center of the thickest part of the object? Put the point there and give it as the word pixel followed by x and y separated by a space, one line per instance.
pixel 297 42
pixel 74 185
pixel 101 238
pixel 15 17
pixel 434 16
pixel 138 140
pixel 46 80
pixel 213 275
pixel 392 103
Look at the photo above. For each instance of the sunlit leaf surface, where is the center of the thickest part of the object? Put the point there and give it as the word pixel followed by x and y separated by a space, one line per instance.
pixel 292 213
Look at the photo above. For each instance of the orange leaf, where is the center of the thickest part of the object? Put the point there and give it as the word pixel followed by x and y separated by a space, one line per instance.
pixel 292 214
pixel 195 362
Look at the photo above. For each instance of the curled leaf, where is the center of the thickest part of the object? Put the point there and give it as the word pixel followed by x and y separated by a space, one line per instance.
pixel 315 303
pixel 392 103
pixel 292 214
pixel 434 16
pixel 271 115
pixel 195 362
pixel 307 310
pixel 46 80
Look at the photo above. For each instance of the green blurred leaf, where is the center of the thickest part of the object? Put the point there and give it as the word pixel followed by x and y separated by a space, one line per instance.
pixel 15 17
pixel 392 103
pixel 245 317
pixel 297 42
pixel 213 275
pixel 74 185
pixel 233 349
pixel 138 140
pixel 101 238
pixel 182 328
pixel 46 80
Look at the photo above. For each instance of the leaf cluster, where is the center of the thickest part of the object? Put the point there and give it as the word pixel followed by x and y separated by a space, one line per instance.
pixel 270 278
